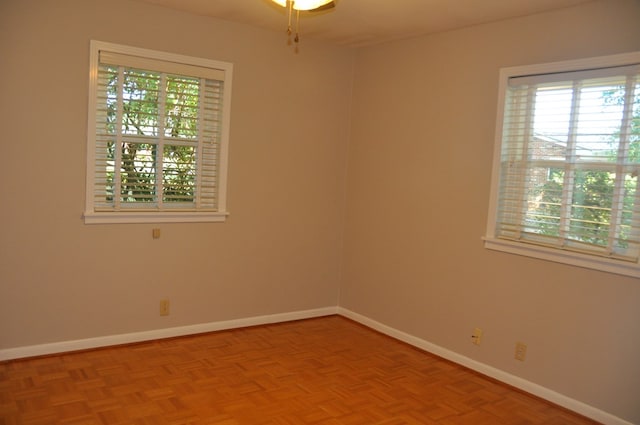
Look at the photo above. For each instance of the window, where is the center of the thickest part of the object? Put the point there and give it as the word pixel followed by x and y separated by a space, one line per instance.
pixel 158 136
pixel 565 181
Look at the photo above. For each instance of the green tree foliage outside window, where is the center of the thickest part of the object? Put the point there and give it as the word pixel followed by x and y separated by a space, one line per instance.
pixel 146 107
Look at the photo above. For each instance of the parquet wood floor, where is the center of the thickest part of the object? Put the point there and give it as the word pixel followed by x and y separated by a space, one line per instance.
pixel 324 371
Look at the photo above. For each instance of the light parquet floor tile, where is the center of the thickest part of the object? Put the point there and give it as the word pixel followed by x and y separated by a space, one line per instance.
pixel 325 371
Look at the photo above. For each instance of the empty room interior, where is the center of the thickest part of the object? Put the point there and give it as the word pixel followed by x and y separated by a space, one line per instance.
pixel 360 164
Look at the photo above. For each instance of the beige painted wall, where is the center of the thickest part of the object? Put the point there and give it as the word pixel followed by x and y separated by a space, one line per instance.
pixel 411 260
pixel 280 250
pixel 418 188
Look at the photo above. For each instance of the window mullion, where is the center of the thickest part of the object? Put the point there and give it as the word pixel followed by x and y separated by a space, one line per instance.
pixel 200 135
pixel 117 161
pixel 570 166
pixel 162 107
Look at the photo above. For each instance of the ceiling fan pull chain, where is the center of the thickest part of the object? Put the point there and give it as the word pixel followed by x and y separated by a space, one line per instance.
pixel 297 39
pixel 289 11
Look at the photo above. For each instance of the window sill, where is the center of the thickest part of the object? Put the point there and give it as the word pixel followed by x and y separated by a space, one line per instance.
pixel 126 217
pixel 564 257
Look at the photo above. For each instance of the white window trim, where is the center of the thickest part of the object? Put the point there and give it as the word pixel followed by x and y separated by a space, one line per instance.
pixel 148 216
pixel 531 250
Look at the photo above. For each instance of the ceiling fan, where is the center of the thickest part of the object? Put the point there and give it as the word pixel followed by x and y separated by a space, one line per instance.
pixel 302 5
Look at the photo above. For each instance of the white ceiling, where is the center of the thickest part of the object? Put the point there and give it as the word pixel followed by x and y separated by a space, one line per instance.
pixel 367 22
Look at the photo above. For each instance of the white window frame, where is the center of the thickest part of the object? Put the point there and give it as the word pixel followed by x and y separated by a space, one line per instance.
pixel 92 215
pixel 491 241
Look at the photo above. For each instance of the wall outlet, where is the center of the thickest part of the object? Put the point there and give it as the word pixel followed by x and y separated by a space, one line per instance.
pixel 164 307
pixel 476 337
pixel 521 351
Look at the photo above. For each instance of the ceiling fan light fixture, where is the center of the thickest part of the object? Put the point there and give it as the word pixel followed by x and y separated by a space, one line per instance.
pixel 303 4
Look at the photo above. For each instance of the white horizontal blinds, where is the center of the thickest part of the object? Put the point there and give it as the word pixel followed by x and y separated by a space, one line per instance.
pixel 211 132
pixel 570 162
pixel 157 134
pixel 518 119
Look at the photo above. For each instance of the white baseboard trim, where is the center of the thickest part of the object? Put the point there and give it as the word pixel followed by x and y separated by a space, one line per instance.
pixel 89 343
pixel 502 376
